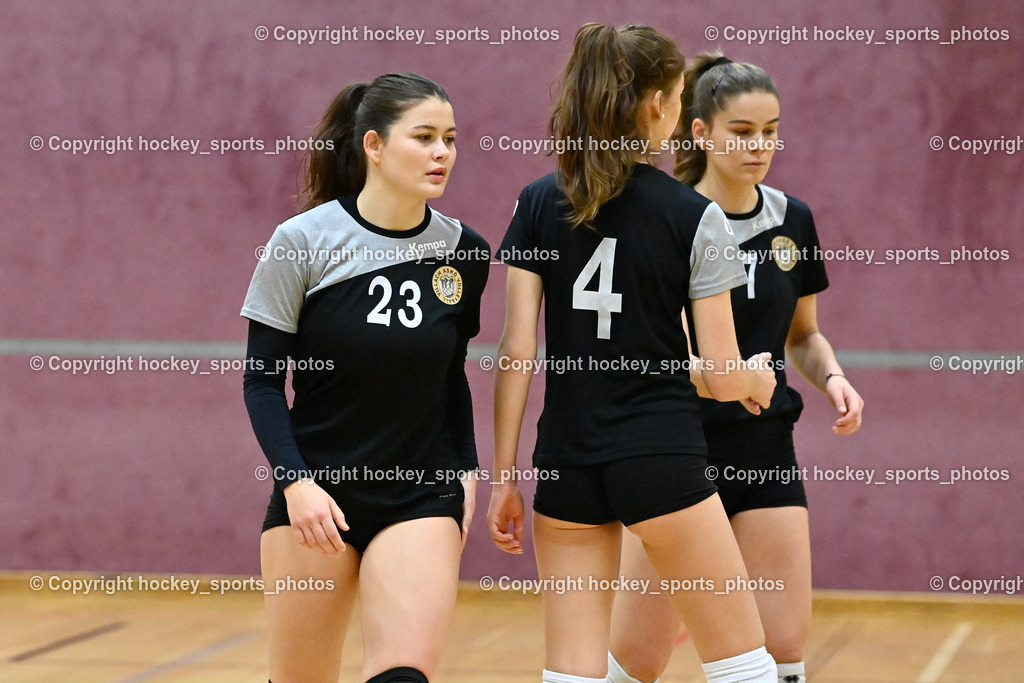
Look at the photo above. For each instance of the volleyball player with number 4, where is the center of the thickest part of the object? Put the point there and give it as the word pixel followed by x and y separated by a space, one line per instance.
pixel 627 445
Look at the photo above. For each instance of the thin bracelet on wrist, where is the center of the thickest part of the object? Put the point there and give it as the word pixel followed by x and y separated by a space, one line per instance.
pixel 831 375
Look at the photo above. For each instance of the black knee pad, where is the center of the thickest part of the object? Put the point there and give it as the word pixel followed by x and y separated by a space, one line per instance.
pixel 400 674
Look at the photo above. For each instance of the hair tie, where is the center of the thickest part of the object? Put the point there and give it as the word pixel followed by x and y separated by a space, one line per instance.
pixel 718 81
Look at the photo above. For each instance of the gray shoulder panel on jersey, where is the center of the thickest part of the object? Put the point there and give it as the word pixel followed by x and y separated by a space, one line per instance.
pixel 714 267
pixel 343 249
pixel 325 246
pixel 772 214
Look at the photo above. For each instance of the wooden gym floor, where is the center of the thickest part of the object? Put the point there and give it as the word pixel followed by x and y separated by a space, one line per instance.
pixel 133 636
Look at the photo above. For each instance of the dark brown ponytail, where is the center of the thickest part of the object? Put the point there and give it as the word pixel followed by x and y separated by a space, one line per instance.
pixel 339 168
pixel 609 73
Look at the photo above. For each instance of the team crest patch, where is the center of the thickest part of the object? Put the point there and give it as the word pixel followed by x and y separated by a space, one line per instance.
pixel 448 285
pixel 785 253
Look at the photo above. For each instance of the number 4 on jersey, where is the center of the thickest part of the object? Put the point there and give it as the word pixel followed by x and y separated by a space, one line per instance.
pixel 604 300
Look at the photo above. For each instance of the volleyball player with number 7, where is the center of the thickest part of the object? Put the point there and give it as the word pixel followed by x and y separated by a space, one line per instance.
pixel 622 446
pixel 729 133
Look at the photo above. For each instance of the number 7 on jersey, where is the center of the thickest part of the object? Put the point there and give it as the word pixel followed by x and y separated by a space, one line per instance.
pixel 604 300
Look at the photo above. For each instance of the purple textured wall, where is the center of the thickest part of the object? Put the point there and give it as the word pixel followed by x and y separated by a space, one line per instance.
pixel 154 470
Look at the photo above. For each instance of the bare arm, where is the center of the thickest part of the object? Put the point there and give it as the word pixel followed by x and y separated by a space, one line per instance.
pixel 810 352
pixel 695 362
pixel 726 375
pixel 524 291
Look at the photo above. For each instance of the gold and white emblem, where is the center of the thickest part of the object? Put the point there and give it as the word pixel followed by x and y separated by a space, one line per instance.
pixel 448 285
pixel 785 253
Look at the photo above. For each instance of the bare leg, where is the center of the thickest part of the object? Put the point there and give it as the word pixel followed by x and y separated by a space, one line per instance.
pixel 776 546
pixel 306 628
pixel 407 589
pixel 645 626
pixel 576 622
pixel 697 543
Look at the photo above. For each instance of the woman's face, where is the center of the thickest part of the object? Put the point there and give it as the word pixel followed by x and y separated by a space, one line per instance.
pixel 744 136
pixel 418 154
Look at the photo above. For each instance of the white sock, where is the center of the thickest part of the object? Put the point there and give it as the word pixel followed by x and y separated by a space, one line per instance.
pixel 792 672
pixel 616 674
pixel 756 666
pixel 554 677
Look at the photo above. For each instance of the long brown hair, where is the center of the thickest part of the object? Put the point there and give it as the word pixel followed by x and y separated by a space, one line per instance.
pixel 599 92
pixel 338 166
pixel 710 82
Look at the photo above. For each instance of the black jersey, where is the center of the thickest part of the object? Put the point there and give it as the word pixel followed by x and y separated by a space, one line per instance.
pixel 613 299
pixel 378 316
pixel 779 247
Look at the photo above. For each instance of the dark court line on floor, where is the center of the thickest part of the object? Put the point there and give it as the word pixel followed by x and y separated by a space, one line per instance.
pixel 65 642
pixel 94 348
pixel 185 660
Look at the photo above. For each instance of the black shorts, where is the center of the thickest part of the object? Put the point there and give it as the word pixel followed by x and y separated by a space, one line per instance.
pixel 366 520
pixel 756 467
pixel 628 490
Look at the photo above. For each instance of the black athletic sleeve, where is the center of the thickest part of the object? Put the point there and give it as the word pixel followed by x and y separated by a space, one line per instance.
pixel 263 386
pixel 814 277
pixel 519 247
pixel 460 400
pixel 460 410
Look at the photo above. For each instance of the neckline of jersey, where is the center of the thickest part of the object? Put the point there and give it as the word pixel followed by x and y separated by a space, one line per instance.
pixel 753 212
pixel 349 205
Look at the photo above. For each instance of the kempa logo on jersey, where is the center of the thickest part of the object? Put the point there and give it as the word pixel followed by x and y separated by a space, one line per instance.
pixel 437 247
pixel 768 221
pixel 410 252
pixel 448 285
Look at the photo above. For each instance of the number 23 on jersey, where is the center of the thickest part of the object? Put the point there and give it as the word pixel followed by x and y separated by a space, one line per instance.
pixel 409 314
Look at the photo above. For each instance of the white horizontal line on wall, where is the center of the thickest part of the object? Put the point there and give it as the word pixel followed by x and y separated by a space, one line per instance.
pixel 91 348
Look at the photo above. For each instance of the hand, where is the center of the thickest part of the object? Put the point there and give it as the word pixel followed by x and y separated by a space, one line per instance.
pixel 760 363
pixel 315 517
pixel 751 405
pixel 506 506
pixel 469 480
pixel 847 402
